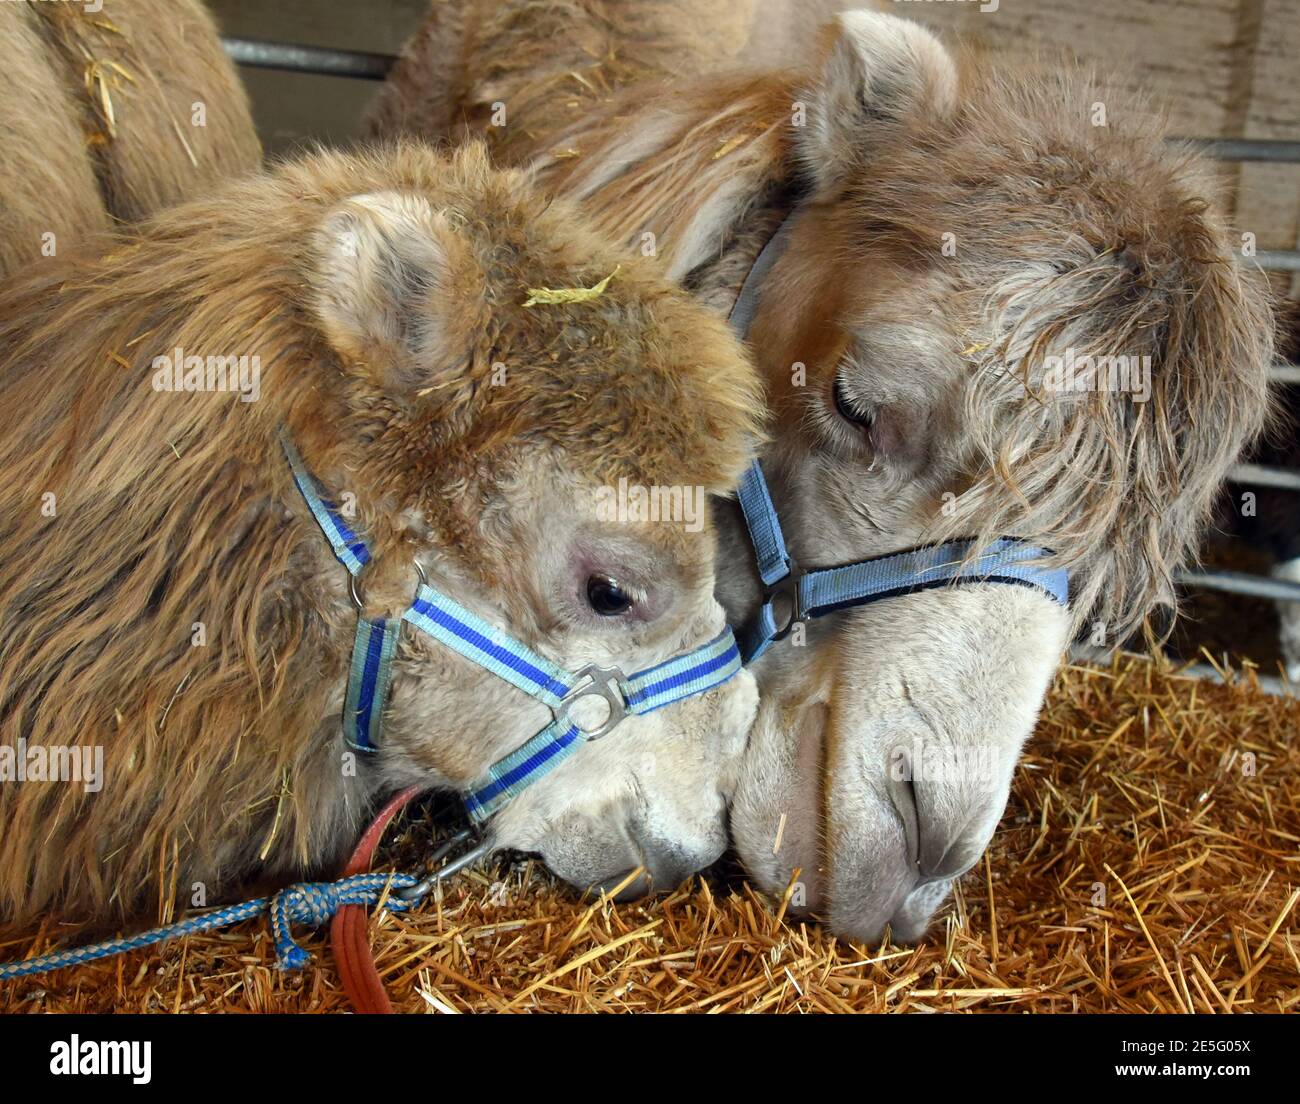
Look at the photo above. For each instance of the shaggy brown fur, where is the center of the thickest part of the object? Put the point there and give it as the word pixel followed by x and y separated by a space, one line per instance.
pixel 1144 264
pixel 174 509
pixel 105 128
pixel 47 184
pixel 547 62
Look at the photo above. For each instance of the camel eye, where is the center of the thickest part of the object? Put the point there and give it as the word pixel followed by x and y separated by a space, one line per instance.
pixel 850 409
pixel 606 597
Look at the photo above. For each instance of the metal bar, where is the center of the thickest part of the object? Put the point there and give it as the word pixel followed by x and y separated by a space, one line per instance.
pixel 1285 373
pixel 1278 260
pixel 1239 582
pixel 307 59
pixel 355 63
pixel 1269 684
pixel 1261 475
pixel 1246 149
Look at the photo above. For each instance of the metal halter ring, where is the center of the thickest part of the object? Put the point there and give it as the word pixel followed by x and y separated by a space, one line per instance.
pixel 786 589
pixel 356 596
pixel 595 682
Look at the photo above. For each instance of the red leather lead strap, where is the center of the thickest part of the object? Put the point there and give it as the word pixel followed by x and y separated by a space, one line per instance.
pixel 348 935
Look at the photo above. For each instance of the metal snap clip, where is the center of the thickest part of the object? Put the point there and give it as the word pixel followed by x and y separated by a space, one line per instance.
pixel 481 849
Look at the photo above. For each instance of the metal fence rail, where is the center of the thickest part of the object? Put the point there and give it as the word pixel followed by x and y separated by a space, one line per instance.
pixel 1247 149
pixel 307 59
pixel 1240 582
pixel 1261 475
pixel 1278 260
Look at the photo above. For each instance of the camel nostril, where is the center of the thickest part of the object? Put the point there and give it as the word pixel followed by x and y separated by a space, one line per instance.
pixel 902 795
pixel 947 850
pixel 953 863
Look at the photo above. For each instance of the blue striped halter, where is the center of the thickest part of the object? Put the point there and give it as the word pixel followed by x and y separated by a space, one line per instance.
pixel 792 596
pixel 450 623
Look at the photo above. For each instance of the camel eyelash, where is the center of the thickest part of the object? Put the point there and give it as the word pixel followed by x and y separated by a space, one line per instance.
pixel 822 421
pixel 850 408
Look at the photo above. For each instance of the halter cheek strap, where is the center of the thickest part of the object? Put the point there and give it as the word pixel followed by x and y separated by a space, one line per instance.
pixel 376 638
pixel 368 679
pixel 792 596
pixel 451 624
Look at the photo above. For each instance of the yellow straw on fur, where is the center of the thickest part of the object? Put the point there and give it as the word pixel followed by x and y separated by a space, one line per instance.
pixel 546 296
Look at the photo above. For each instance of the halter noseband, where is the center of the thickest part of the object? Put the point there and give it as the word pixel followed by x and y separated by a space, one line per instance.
pixel 792 596
pixel 450 623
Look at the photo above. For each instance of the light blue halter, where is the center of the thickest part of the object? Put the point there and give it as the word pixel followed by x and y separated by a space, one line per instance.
pixel 792 596
pixel 450 623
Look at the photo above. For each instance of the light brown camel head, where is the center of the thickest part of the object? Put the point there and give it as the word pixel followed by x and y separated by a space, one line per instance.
pixel 171 601
pixel 1010 320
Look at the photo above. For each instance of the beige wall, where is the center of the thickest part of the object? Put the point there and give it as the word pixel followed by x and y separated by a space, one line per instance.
pixel 1224 68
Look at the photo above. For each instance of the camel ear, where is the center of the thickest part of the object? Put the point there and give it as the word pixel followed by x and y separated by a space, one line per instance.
pixel 880 72
pixel 393 287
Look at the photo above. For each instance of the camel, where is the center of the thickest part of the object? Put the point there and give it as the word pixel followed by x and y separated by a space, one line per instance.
pixel 963 257
pixel 452 354
pixel 128 106
pixel 538 59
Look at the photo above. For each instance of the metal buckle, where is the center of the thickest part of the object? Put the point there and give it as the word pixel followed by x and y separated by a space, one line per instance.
pixel 601 682
pixel 786 588
pixel 437 873
pixel 356 595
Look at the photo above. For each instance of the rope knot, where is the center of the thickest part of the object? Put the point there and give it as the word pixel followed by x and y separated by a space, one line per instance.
pixel 305 903
pixel 315 903
pixel 310 903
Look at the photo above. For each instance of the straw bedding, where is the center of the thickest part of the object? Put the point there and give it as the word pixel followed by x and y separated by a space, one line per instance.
pixel 1148 862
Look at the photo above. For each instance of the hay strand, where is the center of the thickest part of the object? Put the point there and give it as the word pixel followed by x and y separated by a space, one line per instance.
pixel 1158 876
pixel 551 296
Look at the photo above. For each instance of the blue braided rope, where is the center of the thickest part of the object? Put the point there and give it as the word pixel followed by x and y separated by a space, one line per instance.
pixel 311 903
